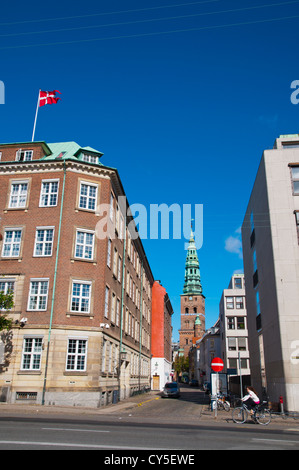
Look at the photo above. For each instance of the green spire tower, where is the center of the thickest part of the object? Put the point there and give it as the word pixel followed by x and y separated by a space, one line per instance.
pixel 192 302
pixel 192 273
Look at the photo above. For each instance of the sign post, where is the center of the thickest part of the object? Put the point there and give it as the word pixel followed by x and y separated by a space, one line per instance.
pixel 217 365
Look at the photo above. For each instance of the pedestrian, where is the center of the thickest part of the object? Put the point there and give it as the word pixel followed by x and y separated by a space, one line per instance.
pixel 251 399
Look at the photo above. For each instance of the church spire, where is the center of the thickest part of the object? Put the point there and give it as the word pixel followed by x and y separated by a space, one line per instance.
pixel 192 274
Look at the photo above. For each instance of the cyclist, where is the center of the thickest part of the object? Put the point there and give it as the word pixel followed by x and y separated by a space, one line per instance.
pixel 251 399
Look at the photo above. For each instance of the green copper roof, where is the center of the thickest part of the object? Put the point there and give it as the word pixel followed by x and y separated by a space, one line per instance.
pixel 70 151
pixel 192 274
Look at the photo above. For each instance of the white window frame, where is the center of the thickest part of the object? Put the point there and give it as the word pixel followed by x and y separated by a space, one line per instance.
pixel 25 154
pixel 12 242
pixel 50 194
pixel 9 286
pixel 107 293
pixel 90 158
pixel 6 283
pixel 39 295
pixel 113 308
pixel 229 302
pixel 117 312
pixel 34 353
pixel 76 355
pixel 109 253
pixel 44 242
pixel 21 197
pixel 87 196
pixel 84 245
pixel 81 297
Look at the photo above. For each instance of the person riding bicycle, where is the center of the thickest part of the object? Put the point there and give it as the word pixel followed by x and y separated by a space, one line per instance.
pixel 251 399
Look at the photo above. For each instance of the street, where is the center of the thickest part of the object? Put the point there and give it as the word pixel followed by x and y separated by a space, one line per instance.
pixel 153 424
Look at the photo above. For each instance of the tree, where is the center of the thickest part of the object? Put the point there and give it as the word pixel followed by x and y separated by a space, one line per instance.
pixel 6 304
pixel 181 364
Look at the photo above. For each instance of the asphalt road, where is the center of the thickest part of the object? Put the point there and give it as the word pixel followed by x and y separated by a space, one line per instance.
pixel 156 427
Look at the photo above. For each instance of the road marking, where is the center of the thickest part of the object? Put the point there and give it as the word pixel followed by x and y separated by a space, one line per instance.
pixel 275 440
pixel 76 430
pixel 67 444
pixel 146 401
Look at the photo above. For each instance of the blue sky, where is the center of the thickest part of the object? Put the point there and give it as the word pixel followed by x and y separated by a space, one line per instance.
pixel 182 97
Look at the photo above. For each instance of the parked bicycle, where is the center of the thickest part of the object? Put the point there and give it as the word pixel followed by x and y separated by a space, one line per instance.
pixel 260 414
pixel 221 403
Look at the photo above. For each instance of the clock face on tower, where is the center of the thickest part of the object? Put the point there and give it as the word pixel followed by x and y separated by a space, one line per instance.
pixel 190 298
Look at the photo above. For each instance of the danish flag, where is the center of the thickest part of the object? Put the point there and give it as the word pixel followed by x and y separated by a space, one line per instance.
pixel 48 97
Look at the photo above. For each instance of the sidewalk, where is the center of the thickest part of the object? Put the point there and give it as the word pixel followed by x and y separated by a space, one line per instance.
pixel 36 409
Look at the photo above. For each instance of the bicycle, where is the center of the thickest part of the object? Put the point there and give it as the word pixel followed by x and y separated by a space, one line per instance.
pixel 261 414
pixel 221 403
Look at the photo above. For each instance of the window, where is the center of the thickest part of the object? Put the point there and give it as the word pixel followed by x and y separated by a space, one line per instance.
pixel 229 302
pixel 12 243
pixel 119 269
pixel 32 353
pixel 7 286
pixel 44 241
pixel 90 158
pixel 24 155
pixel 243 363
pixel 84 244
pixel 113 305
pixel 232 344
pixel 49 193
pixel 117 312
pixel 230 323
pixel 104 347
pixel 76 354
pixel 115 260
pixel 239 302
pixel 109 253
pixel 88 196
pixel 242 344
pixel 295 179
pixel 107 302
pixel 240 323
pixel 18 195
pixel 38 294
pixel 238 283
pixel 111 207
pixel 81 295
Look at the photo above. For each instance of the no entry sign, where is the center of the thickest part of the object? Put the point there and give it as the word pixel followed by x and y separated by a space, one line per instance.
pixel 217 364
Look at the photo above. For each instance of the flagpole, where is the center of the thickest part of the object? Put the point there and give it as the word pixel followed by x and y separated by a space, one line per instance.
pixel 37 106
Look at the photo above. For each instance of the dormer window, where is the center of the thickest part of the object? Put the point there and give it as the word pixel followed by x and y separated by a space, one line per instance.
pixel 24 155
pixel 90 158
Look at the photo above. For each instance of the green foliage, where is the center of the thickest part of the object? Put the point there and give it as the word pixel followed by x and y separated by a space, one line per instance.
pixel 6 304
pixel 181 364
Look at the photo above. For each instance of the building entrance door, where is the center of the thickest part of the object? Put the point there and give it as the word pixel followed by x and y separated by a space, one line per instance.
pixel 156 382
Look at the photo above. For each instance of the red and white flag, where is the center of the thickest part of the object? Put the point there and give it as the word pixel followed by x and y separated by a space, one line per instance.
pixel 48 97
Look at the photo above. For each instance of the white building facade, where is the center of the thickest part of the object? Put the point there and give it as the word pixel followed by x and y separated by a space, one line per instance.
pixel 233 328
pixel 271 267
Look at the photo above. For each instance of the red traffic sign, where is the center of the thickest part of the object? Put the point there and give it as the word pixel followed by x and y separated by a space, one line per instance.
pixel 217 364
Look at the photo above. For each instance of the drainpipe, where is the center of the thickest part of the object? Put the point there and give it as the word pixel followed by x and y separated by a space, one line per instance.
pixel 54 285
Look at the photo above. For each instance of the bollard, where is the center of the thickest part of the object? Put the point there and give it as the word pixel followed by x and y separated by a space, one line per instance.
pixel 281 404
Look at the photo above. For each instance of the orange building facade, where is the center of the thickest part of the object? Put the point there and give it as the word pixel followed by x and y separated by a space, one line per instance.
pixel 161 362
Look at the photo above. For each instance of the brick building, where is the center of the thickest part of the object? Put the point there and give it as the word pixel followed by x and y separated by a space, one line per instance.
pixel 161 337
pixel 81 281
